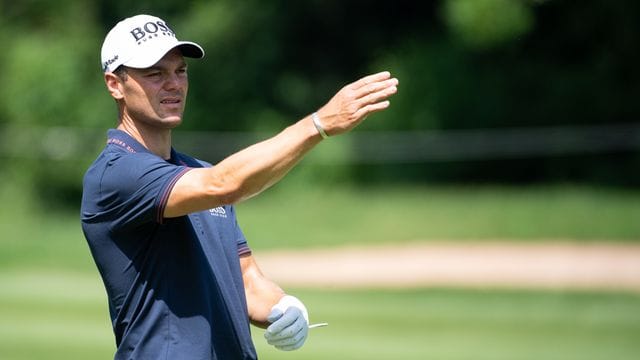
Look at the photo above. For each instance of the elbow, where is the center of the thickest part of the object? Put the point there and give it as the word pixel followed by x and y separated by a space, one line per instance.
pixel 228 191
pixel 227 194
pixel 229 188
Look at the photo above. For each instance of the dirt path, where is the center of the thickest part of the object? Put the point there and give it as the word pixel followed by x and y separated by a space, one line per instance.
pixel 558 265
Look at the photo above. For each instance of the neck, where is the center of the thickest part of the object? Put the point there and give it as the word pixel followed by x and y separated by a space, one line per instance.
pixel 158 141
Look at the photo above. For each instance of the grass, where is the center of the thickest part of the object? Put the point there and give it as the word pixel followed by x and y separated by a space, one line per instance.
pixel 53 315
pixel 63 315
pixel 457 324
pixel 334 216
pixel 53 306
pixel 318 217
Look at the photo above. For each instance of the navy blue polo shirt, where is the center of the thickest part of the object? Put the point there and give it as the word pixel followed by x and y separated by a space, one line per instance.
pixel 174 285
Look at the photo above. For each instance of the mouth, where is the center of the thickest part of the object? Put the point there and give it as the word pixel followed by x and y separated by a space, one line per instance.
pixel 170 101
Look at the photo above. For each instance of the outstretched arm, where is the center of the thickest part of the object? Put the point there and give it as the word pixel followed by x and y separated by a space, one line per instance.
pixel 252 170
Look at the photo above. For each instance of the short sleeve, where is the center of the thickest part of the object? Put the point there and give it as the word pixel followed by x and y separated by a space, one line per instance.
pixel 134 188
pixel 241 240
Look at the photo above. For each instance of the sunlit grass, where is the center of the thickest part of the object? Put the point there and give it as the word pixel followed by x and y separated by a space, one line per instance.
pixel 453 324
pixel 322 216
pixel 53 315
pixel 63 315
pixel 334 216
pixel 53 305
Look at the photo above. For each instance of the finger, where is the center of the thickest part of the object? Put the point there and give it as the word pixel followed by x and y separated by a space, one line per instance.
pixel 294 345
pixel 276 330
pixel 286 335
pixel 380 94
pixel 274 315
pixel 370 109
pixel 291 347
pixel 370 79
pixel 297 333
pixel 379 86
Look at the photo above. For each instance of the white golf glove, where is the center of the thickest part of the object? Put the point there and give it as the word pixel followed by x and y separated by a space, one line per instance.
pixel 289 324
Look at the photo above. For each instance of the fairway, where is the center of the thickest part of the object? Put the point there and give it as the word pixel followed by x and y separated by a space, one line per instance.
pixel 286 218
pixel 432 180
pixel 281 219
pixel 58 315
pixel 53 305
pixel 465 324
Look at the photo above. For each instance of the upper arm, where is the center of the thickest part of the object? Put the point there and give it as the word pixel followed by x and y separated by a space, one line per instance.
pixel 243 174
pixel 132 189
pixel 197 190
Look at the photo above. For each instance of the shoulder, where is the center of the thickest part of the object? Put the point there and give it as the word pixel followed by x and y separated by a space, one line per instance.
pixel 124 164
pixel 129 171
pixel 190 161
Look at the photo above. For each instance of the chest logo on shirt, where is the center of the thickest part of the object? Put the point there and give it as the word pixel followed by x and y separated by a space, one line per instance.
pixel 219 212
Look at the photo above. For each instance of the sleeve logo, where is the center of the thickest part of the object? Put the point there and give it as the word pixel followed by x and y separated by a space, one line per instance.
pixel 219 212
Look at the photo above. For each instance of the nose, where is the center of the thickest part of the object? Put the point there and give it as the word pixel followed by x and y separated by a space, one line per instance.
pixel 175 82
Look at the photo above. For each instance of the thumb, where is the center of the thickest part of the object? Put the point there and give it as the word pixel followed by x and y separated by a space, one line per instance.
pixel 274 315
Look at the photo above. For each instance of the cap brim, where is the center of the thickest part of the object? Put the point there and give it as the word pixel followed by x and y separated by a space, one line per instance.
pixel 187 48
pixel 191 49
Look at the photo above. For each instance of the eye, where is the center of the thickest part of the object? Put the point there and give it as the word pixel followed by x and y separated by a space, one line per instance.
pixel 153 74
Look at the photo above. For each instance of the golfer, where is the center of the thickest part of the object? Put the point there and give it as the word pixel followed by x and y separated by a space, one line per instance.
pixel 180 277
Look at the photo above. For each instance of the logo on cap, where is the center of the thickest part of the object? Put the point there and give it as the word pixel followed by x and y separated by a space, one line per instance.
pixel 106 64
pixel 151 29
pixel 141 41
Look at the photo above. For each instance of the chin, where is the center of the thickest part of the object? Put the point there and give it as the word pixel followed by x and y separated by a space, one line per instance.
pixel 171 122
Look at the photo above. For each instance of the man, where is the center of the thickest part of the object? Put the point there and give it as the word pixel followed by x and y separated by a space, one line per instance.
pixel 180 278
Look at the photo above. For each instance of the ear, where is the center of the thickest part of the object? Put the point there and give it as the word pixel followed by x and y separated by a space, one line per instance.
pixel 114 85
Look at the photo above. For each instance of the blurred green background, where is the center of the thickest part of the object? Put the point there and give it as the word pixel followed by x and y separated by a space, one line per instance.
pixel 516 120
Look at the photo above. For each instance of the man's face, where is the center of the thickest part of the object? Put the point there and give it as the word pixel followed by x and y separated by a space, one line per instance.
pixel 156 96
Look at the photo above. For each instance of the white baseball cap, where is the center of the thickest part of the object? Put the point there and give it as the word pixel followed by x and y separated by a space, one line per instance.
pixel 140 42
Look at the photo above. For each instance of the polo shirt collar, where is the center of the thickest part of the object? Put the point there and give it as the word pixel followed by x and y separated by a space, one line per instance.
pixel 121 138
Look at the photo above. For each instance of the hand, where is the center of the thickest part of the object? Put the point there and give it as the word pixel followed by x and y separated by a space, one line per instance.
pixel 290 324
pixel 351 105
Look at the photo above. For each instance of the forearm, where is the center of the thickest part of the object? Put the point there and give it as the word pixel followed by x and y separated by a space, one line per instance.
pixel 256 168
pixel 261 293
pixel 260 305
pixel 243 174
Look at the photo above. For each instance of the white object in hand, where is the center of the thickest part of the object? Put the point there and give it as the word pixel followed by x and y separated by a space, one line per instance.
pixel 289 324
pixel 318 325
